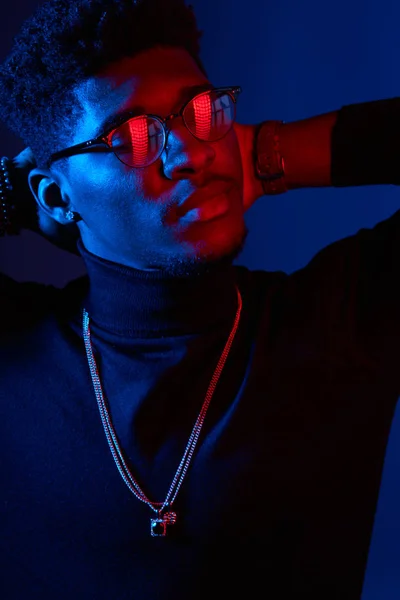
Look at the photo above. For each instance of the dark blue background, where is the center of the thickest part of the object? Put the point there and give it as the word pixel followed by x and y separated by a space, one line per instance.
pixel 293 60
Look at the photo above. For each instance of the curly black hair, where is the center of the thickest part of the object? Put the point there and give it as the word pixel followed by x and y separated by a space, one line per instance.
pixel 68 41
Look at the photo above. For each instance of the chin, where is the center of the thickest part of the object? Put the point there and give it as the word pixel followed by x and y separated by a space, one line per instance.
pixel 200 255
pixel 218 238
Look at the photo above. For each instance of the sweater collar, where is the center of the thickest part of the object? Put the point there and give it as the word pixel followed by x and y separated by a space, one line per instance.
pixel 128 301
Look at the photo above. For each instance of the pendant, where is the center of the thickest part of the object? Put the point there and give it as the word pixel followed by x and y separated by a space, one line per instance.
pixel 158 526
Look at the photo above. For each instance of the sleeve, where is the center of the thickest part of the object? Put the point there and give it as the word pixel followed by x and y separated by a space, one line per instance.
pixel 365 144
pixel 349 293
pixel 355 282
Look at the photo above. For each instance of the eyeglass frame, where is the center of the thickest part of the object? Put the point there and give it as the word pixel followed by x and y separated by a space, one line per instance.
pixel 105 137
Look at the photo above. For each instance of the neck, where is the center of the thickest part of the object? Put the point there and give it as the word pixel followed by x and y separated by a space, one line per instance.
pixel 128 301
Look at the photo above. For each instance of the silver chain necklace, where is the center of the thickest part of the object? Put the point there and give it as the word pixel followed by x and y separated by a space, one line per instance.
pixel 165 516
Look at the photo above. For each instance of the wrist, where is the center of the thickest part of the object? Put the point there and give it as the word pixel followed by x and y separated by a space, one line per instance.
pixel 18 209
pixel 269 162
pixel 8 216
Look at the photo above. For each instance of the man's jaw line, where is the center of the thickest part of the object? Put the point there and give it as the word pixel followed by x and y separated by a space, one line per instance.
pixel 197 263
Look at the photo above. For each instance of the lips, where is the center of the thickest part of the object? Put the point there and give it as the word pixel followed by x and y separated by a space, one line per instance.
pixel 214 208
pixel 203 196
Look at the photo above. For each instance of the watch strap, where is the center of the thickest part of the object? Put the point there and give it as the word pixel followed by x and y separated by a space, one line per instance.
pixel 269 162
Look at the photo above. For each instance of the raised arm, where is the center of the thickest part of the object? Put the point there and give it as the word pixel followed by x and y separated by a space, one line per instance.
pixel 19 209
pixel 356 145
pixel 22 303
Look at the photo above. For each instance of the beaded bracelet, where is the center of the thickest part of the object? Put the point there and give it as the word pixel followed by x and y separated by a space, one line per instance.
pixel 269 161
pixel 7 209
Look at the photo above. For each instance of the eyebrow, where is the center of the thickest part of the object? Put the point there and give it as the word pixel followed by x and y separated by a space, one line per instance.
pixel 186 94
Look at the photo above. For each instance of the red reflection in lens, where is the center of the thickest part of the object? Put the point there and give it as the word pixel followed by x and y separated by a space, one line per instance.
pixel 202 107
pixel 139 140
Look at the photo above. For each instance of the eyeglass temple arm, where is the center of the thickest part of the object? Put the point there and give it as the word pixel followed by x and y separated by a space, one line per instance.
pixel 236 90
pixel 73 149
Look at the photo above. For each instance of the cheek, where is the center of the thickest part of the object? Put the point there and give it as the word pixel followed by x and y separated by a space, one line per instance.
pixel 228 156
pixel 150 183
pixel 118 199
pixel 109 189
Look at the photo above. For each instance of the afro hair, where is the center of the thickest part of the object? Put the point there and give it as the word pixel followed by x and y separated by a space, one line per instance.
pixel 67 41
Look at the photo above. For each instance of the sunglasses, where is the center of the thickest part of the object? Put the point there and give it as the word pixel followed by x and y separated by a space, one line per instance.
pixel 139 141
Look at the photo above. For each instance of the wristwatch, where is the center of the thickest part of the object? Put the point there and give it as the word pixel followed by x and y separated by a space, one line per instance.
pixel 269 162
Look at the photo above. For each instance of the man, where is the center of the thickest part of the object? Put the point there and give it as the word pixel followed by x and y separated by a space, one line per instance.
pixel 173 426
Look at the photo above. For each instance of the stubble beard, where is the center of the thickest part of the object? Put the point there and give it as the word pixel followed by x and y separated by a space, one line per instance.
pixel 200 261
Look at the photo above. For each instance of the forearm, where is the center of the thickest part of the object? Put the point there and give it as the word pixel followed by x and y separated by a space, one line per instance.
pixel 356 145
pixel 306 151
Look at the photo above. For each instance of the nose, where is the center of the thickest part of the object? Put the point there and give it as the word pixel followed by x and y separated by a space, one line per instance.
pixel 184 155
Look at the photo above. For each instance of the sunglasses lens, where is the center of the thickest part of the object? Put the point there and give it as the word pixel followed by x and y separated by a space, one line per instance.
pixel 139 141
pixel 209 116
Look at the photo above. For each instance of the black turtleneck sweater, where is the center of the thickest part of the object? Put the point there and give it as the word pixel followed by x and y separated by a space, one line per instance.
pixel 280 496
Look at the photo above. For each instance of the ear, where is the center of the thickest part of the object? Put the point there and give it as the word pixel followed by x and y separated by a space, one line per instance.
pixel 50 195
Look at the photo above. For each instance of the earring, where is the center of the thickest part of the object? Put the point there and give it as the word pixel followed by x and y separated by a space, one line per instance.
pixel 70 215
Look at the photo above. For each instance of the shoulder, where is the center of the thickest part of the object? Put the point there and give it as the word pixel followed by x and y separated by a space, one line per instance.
pixel 23 304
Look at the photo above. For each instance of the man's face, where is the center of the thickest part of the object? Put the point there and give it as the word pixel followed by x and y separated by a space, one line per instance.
pixel 137 216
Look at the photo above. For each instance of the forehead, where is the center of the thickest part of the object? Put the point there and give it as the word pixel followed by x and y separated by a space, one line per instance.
pixel 152 80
